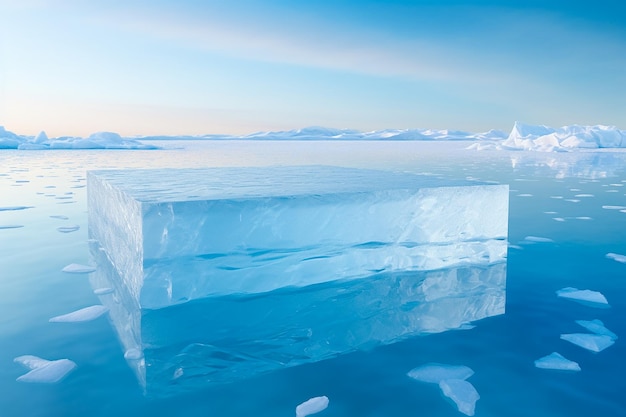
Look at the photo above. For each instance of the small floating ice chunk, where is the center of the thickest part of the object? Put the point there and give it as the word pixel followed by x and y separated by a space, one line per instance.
pixel 436 372
pixel 558 219
pixel 583 218
pixel 60 217
pixel 84 314
pixel 103 291
pixel 586 296
pixel 614 207
pixel 617 257
pixel 11 226
pixel 525 195
pixel 68 229
pixel 538 239
pixel 13 208
pixel 556 361
pixel 584 195
pixel 462 393
pixel 78 269
pixel 44 371
pixel 133 354
pixel 592 342
pixel 312 406
pixel 572 200
pixel 597 326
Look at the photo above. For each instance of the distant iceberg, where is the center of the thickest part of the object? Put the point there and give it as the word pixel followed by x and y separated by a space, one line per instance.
pixel 99 140
pixel 543 138
pixel 521 137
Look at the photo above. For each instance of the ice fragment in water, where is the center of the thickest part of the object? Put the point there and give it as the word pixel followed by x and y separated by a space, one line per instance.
pixel 84 314
pixel 462 393
pixel 11 226
pixel 312 406
pixel 60 217
pixel 592 342
pixel 538 239
pixel 14 208
pixel 78 269
pixel 436 372
pixel 103 291
pixel 556 361
pixel 597 326
pixel 616 257
pixel 614 207
pixel 68 229
pixel 588 297
pixel 133 354
pixel 44 371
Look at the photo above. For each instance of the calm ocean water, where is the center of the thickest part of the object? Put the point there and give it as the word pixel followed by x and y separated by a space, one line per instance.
pixel 576 201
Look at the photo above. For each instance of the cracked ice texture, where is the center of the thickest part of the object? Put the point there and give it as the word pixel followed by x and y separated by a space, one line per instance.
pixel 178 235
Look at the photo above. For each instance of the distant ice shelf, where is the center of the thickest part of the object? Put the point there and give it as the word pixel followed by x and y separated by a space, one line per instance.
pixel 282 266
pixel 178 235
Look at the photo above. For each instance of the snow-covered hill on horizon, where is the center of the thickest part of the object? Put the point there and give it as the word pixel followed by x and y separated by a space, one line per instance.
pixel 522 137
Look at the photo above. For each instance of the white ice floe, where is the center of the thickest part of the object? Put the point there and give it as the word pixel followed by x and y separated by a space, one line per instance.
pixel 84 314
pixel 558 219
pixel 312 406
pixel 588 297
pixel 78 269
pixel 60 217
pixel 103 291
pixel 592 342
pixel 133 354
pixel 558 362
pixel 614 207
pixel 434 373
pixel 68 229
pixel 44 371
pixel 617 257
pixel 597 326
pixel 462 393
pixel 14 208
pixel 537 239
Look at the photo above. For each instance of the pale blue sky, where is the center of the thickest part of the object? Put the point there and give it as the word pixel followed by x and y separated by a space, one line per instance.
pixel 193 67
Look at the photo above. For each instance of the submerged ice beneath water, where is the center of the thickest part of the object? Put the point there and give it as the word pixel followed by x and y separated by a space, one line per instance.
pixel 44 371
pixel 312 406
pixel 462 393
pixel 436 372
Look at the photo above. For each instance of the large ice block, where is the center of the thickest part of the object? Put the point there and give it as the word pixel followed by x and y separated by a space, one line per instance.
pixel 221 339
pixel 183 234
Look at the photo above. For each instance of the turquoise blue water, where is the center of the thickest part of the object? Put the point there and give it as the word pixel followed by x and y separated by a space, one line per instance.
pixel 555 196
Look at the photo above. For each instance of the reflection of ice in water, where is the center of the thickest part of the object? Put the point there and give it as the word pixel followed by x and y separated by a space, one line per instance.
pixel 243 336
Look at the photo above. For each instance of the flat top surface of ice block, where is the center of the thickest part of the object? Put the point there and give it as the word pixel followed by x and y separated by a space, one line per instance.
pixel 172 185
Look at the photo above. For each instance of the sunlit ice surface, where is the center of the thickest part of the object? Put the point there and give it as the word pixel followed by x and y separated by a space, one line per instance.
pixel 570 205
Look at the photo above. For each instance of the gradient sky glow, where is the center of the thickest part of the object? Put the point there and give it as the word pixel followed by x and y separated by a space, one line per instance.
pixel 194 67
